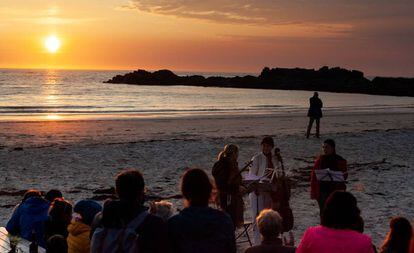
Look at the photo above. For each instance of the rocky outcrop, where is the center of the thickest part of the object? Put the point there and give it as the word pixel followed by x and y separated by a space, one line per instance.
pixel 324 79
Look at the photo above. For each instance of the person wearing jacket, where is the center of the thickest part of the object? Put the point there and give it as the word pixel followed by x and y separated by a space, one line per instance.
pixel 320 190
pixel 199 228
pixel 79 229
pixel 116 214
pixel 229 184
pixel 314 113
pixel 29 216
pixel 270 226
pixel 337 230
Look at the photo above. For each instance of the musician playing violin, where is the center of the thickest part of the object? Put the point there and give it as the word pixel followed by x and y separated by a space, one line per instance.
pixel 229 184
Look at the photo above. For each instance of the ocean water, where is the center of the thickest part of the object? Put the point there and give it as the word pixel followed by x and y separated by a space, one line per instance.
pixel 69 94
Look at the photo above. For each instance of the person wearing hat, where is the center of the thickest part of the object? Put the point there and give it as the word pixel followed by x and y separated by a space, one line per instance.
pixel 80 227
pixel 261 200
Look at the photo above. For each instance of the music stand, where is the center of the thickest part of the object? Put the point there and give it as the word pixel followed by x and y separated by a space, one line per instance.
pixel 327 175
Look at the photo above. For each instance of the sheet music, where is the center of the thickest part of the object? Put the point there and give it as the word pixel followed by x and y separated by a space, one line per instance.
pixel 328 175
pixel 249 177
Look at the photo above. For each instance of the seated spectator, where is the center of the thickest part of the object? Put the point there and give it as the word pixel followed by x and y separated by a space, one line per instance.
pixel 359 227
pixel 337 230
pixel 53 194
pixel 29 216
pixel 270 226
pixel 80 227
pixel 127 218
pixel 56 244
pixel 412 244
pixel 199 228
pixel 60 215
pixel 163 209
pixel 31 193
pixel 399 237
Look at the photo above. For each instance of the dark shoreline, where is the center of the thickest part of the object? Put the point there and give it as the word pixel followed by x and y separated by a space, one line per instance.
pixel 324 79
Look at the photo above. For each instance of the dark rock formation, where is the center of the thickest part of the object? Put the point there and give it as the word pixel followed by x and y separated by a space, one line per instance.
pixel 324 79
pixel 393 86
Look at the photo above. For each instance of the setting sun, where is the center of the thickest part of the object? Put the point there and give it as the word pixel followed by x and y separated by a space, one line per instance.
pixel 52 43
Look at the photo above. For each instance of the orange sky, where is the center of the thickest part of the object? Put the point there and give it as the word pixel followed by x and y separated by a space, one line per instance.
pixel 376 36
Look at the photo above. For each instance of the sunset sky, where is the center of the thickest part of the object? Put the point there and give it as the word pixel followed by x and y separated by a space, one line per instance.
pixel 375 36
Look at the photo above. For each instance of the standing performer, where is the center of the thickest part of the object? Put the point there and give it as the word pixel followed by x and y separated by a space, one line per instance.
pixel 320 190
pixel 229 184
pixel 314 113
pixel 261 200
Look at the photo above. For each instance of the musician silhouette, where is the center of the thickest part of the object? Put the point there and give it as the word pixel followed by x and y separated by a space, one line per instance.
pixel 228 182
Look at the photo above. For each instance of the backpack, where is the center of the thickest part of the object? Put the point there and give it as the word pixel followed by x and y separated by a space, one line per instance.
pixel 118 240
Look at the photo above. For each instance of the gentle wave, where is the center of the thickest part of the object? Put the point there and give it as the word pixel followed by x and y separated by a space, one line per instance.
pixel 42 92
pixel 58 110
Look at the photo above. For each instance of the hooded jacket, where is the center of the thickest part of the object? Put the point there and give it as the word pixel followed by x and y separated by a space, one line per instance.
pixel 29 216
pixel 78 238
pixel 202 230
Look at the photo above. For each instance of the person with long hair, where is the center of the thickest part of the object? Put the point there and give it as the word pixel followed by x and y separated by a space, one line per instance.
pixel 337 230
pixel 228 181
pixel 60 216
pixel 399 237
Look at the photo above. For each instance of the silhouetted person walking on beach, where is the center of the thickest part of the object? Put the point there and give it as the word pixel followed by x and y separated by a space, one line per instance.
pixel 314 113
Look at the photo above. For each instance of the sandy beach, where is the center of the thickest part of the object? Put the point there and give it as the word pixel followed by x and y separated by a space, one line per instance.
pixel 81 156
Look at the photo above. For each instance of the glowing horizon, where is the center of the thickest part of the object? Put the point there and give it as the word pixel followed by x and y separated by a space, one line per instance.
pixel 240 36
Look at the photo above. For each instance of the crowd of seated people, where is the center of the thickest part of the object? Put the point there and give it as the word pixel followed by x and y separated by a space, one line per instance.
pixel 125 224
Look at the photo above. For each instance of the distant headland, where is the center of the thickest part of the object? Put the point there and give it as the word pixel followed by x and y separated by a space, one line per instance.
pixel 324 79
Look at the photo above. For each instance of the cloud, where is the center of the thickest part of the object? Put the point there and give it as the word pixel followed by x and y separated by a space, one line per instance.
pixel 276 12
pixel 368 21
pixel 50 16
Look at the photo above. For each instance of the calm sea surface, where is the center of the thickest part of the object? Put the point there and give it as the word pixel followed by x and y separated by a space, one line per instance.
pixel 63 94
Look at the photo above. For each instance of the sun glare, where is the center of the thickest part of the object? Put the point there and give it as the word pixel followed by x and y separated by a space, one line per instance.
pixel 52 43
pixel 53 117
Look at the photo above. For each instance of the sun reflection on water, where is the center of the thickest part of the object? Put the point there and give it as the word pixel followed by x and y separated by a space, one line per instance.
pixel 51 87
pixel 53 117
